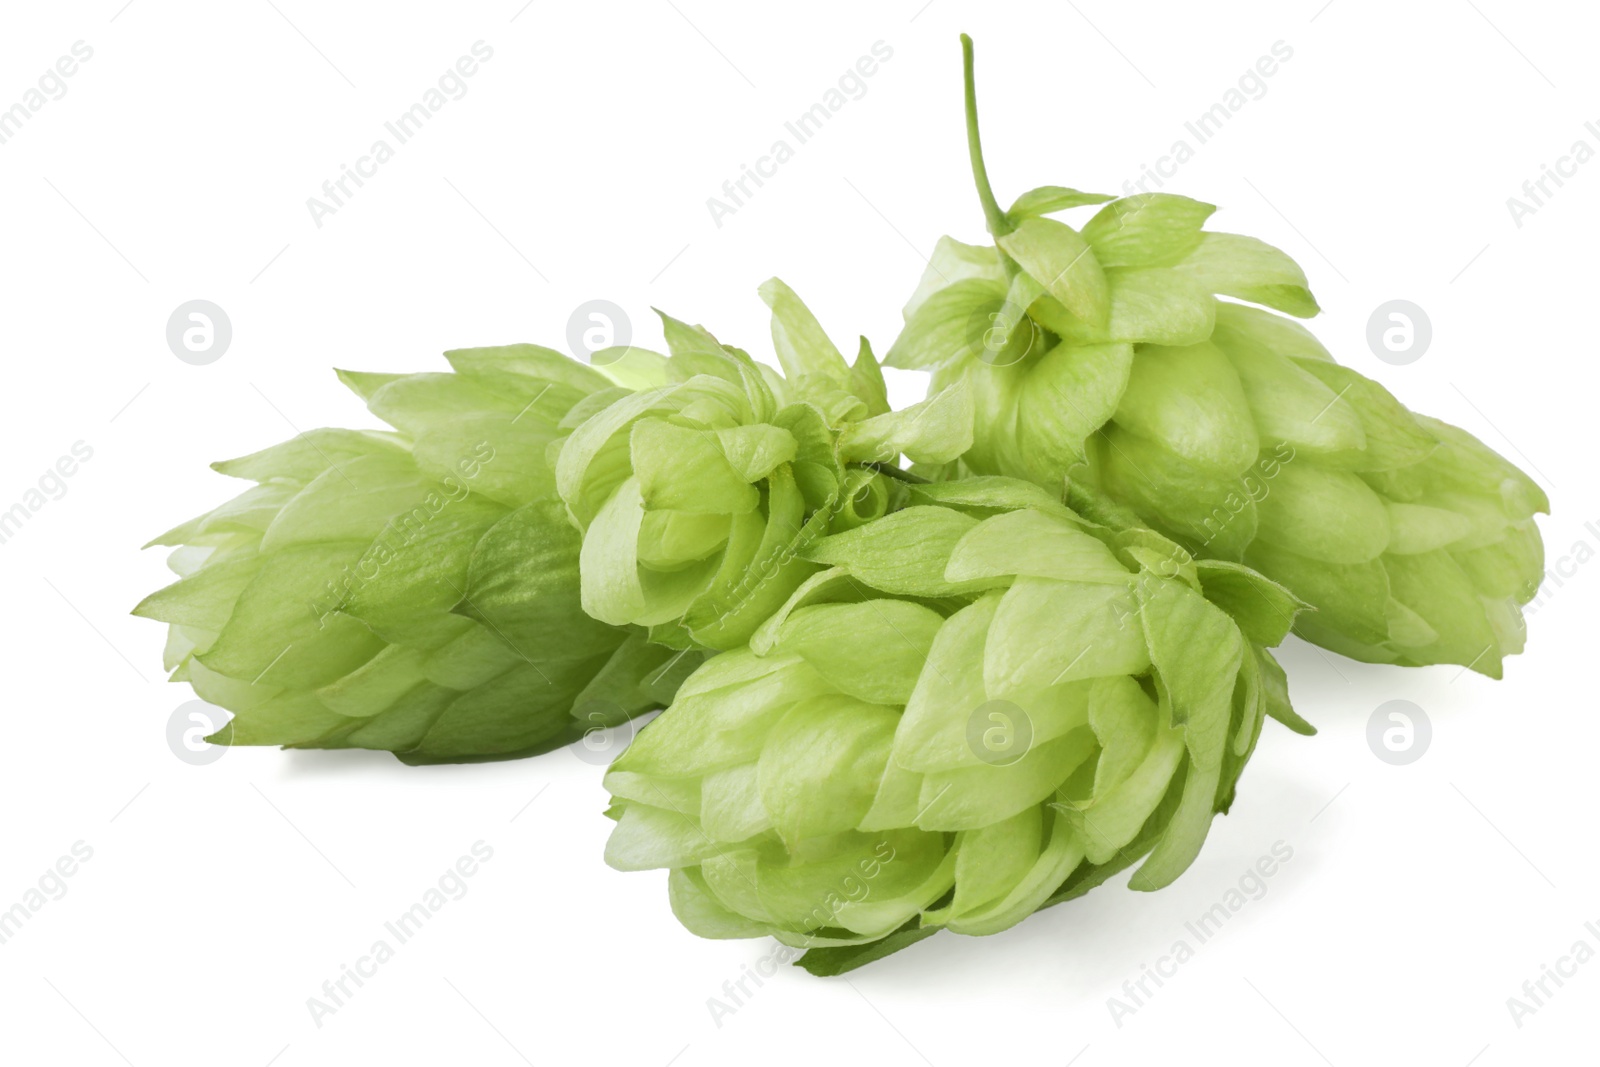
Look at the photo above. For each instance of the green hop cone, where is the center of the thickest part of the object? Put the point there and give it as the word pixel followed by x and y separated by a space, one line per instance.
pixel 1106 354
pixel 699 495
pixel 414 591
pixel 983 706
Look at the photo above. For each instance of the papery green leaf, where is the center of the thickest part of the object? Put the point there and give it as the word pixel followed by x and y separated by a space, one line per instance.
pixel 985 793
pixel 304 456
pixel 521 582
pixel 1275 694
pixel 819 768
pixel 1213 511
pixel 686 469
pixel 1180 842
pixel 873 651
pixel 1394 437
pixel 1146 229
pixel 1062 854
pixel 983 495
pixel 953 262
pixel 1032 544
pixel 1049 199
pixel 544 365
pixel 1062 261
pixel 1240 325
pixel 1197 648
pixel 648 837
pixel 371 492
pixel 1264 610
pixel 1070 393
pixel 755 451
pixel 935 430
pixel 608 561
pixel 802 345
pixel 1109 822
pixel 1252 270
pixel 948 325
pixel 1290 405
pixel 992 859
pixel 1189 401
pixel 1047 632
pixel 866 381
pixel 904 553
pixel 416 571
pixel 1327 515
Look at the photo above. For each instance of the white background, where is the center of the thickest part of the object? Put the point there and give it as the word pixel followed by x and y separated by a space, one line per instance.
pixel 219 898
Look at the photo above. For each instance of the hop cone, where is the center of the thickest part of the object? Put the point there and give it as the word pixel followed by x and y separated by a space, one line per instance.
pixel 1106 353
pixel 699 496
pixel 414 591
pixel 982 706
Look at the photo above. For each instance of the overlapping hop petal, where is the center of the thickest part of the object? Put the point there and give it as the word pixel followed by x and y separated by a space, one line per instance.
pixel 981 706
pixel 1148 362
pixel 415 591
pixel 539 548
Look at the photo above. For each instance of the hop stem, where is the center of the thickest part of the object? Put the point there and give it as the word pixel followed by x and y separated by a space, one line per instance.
pixel 999 224
pixel 899 473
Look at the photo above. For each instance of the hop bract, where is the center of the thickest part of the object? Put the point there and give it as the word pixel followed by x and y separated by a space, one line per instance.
pixel 982 706
pixel 1108 353
pixel 414 591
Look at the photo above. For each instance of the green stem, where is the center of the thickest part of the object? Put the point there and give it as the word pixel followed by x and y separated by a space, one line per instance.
pixel 999 224
pixel 891 471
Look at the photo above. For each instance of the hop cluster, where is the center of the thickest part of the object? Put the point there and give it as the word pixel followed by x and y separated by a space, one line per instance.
pixel 983 705
pixel 414 591
pixel 1142 360
pixel 539 548
pixel 926 669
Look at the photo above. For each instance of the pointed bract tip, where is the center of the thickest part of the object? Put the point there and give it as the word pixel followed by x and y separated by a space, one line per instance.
pixel 772 289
